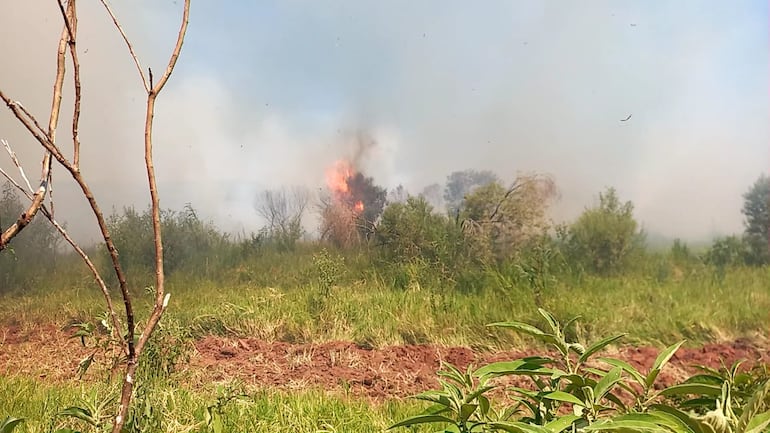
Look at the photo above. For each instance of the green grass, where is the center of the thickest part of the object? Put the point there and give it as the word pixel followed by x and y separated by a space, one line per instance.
pixel 176 409
pixel 368 311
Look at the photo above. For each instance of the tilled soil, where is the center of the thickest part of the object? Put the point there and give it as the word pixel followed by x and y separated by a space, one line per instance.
pixel 49 353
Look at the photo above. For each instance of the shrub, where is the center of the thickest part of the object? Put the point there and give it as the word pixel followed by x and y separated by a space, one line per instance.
pixel 605 238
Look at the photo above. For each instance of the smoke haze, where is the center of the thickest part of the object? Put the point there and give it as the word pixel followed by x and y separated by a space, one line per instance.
pixel 271 94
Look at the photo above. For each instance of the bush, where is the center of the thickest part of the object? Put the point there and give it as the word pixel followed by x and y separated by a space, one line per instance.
pixel 189 243
pixel 605 238
pixel 31 252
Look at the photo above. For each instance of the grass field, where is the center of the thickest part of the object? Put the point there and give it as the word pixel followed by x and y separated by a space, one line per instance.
pixel 368 311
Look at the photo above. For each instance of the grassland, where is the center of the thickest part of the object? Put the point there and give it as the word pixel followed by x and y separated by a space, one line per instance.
pixel 288 302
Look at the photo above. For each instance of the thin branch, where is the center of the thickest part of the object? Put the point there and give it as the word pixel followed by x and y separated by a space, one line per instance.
pixel 49 215
pixel 161 299
pixel 71 22
pixel 50 190
pixel 16 162
pixel 31 117
pixel 177 49
pixel 33 126
pixel 128 44
pixel 151 97
pixel 29 122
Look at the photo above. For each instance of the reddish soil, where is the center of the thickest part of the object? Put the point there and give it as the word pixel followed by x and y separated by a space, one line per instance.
pixel 48 352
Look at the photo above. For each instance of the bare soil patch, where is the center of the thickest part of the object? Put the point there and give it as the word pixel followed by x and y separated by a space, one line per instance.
pixel 399 371
pixel 47 352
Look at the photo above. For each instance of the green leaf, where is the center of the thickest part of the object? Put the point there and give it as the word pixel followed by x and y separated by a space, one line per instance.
pixel 422 419
pixel 634 422
pixel 660 361
pixel 599 345
pixel 453 373
pixel 552 322
pixel 693 424
pixel 10 423
pixel 758 423
pixel 434 397
pixel 466 410
pixel 67 430
pixel 758 401
pixel 705 378
pixel 527 366
pixel 570 322
pixel 483 405
pixel 692 388
pixel 469 398
pixel 606 383
pixel 79 413
pixel 671 421
pixel 518 427
pixel 565 397
pixel 615 399
pixel 530 330
pixel 561 423
pixel 436 409
pixel 628 368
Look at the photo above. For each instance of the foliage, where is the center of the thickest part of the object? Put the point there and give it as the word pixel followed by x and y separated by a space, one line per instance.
pixel 757 223
pixel 410 230
pixel 501 220
pixel 605 238
pixel 33 249
pixel 568 394
pixel 189 243
pixel 726 252
pixel 329 269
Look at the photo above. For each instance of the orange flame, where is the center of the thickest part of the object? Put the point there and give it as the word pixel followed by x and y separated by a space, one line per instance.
pixel 337 178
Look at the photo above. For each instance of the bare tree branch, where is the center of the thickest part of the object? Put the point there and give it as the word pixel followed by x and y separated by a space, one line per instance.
pixel 128 44
pixel 161 299
pixel 49 215
pixel 71 22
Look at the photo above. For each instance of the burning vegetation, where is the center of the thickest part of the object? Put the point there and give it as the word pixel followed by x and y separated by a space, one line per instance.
pixel 353 205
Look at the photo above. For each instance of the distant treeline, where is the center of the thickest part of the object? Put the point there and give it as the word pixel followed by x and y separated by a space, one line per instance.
pixel 479 232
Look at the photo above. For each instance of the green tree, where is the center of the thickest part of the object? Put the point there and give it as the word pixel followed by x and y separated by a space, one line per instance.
pixel 419 245
pixel 604 238
pixel 410 230
pixel 726 252
pixel 757 222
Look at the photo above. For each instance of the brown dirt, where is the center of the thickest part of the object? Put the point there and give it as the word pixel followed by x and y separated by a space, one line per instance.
pixel 46 351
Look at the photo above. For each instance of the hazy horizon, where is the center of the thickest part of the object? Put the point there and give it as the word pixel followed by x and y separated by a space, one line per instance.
pixel 267 94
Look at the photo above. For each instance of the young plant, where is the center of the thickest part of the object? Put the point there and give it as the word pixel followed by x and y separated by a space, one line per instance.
pixel 566 393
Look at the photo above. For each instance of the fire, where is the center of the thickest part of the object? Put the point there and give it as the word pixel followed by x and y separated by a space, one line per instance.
pixel 338 178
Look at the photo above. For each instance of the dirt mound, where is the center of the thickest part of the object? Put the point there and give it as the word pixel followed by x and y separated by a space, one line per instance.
pixel 48 352
pixel 405 370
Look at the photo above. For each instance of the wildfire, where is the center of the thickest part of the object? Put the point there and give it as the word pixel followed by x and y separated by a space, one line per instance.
pixel 338 178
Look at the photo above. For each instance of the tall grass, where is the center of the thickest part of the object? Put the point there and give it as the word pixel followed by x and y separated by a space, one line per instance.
pixel 174 409
pixel 281 297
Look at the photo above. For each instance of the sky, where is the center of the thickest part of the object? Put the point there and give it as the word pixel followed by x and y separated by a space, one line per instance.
pixel 268 94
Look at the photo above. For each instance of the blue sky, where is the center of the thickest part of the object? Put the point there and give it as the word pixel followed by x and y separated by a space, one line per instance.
pixel 265 93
